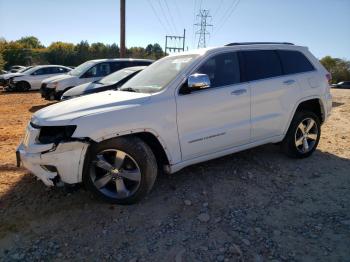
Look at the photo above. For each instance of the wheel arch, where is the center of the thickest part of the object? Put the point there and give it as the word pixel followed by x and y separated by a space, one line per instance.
pixel 151 138
pixel 314 105
pixel 24 81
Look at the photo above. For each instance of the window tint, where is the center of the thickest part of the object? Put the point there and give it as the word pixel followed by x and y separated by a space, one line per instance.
pixel 99 70
pixel 115 66
pixel 294 62
pixel 141 63
pixel 261 64
pixel 42 71
pixel 222 69
pixel 58 70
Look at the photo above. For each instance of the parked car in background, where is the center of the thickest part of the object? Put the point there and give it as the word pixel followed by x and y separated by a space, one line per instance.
pixel 343 84
pixel 5 77
pixel 112 81
pixel 16 68
pixel 183 109
pixel 90 71
pixel 31 79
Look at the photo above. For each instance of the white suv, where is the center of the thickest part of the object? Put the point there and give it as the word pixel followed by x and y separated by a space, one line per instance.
pixel 90 71
pixel 181 110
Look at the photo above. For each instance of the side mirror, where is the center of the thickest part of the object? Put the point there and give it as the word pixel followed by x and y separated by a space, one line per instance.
pixel 198 81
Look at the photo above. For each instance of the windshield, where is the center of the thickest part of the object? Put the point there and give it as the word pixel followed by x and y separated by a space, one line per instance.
pixel 31 70
pixel 25 69
pixel 78 71
pixel 158 75
pixel 116 77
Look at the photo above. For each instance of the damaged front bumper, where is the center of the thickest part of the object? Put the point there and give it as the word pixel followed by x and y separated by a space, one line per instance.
pixel 49 162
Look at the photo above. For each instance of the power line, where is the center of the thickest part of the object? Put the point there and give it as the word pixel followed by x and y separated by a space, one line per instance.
pixel 218 8
pixel 156 15
pixel 165 16
pixel 193 24
pixel 179 12
pixel 234 7
pixel 171 16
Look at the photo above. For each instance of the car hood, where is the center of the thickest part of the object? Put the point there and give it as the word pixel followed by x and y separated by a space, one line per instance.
pixel 59 78
pixel 64 113
pixel 87 88
pixel 9 75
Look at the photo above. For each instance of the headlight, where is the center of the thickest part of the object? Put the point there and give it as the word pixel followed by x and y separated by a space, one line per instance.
pixel 54 134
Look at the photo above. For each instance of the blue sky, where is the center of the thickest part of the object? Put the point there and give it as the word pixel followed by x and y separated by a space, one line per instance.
pixel 322 25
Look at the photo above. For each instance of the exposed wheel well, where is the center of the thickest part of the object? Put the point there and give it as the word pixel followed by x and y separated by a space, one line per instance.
pixel 155 146
pixel 25 82
pixel 313 105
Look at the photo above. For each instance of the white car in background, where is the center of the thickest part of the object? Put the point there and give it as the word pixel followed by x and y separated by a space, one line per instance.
pixel 90 71
pixel 32 78
pixel 5 77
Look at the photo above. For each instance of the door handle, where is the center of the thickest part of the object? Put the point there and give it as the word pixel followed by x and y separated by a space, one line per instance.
pixel 289 82
pixel 239 92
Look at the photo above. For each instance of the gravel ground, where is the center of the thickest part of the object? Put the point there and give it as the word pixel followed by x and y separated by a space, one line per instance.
pixel 257 205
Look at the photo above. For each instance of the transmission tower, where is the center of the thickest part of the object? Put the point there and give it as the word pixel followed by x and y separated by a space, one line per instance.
pixel 203 32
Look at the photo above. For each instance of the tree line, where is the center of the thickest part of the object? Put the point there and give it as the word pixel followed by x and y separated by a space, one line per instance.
pixel 30 51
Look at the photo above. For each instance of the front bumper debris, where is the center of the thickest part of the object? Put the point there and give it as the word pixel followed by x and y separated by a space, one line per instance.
pixel 47 93
pixel 47 161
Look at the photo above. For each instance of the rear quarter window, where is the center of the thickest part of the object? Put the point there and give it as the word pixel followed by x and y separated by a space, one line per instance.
pixel 260 64
pixel 294 62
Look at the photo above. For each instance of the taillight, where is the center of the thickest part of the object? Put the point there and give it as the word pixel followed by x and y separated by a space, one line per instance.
pixel 329 78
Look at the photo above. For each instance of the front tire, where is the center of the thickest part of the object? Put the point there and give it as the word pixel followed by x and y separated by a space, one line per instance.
pixel 120 170
pixel 303 135
pixel 23 86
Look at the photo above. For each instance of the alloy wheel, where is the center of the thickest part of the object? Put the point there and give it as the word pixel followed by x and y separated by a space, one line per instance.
pixel 115 174
pixel 306 135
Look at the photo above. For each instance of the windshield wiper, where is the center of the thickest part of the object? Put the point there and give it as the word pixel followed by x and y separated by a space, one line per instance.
pixel 128 89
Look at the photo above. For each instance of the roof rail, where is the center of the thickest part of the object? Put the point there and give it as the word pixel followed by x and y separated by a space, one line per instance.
pixel 259 43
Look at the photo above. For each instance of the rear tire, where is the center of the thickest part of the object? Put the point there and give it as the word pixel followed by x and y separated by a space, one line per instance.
pixel 120 170
pixel 303 135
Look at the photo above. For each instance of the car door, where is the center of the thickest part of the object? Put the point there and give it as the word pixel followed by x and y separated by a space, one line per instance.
pixel 215 118
pixel 95 73
pixel 38 76
pixel 273 95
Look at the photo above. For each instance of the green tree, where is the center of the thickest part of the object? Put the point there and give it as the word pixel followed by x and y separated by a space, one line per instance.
pixel 30 42
pixel 2 62
pixel 157 51
pixel 60 53
pixel 113 51
pixel 15 54
pixel 82 53
pixel 339 68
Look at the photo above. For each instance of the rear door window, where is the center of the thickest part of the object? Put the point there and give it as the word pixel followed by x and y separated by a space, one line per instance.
pixel 222 69
pixel 294 62
pixel 99 70
pixel 260 64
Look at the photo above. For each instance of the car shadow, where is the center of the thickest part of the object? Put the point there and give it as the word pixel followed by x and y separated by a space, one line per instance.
pixel 258 182
pixel 336 104
pixel 265 160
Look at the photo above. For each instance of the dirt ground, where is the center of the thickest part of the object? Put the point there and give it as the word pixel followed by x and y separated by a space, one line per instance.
pixel 257 205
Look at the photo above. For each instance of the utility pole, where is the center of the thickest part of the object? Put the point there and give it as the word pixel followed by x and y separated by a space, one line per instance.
pixel 203 33
pixel 177 43
pixel 122 29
